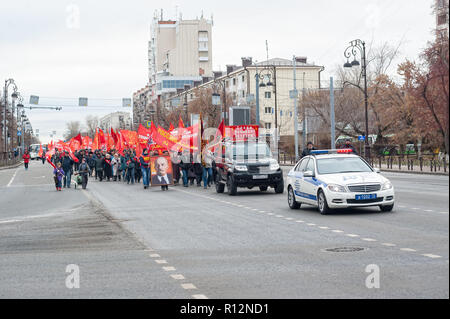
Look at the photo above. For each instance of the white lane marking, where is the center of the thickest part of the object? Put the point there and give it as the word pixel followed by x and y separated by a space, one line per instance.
pixel 299 221
pixel 352 235
pixel 188 286
pixel 432 256
pixel 199 297
pixel 443 213
pixel 368 239
pixel 255 209
pixel 311 224
pixel 12 178
pixel 324 227
pixel 154 255
pixel 270 214
pixel 408 249
pixel 289 218
pixel 10 221
pixel 177 277
pixel 240 205
pixel 279 216
pixel 337 231
pixel 415 208
pixel 429 210
pixel 262 211
pixel 388 244
pixel 401 206
pixel 169 268
pixel 161 261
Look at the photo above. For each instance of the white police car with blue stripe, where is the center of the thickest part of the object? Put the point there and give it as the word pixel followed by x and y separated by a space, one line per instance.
pixel 331 179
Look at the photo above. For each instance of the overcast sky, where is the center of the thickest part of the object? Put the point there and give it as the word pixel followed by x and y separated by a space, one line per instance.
pixel 98 49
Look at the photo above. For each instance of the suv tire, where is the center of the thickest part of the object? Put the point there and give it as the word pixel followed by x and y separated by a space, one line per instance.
pixel 231 186
pixel 279 188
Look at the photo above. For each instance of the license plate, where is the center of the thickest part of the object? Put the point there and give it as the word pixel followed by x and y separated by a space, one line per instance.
pixel 260 176
pixel 365 196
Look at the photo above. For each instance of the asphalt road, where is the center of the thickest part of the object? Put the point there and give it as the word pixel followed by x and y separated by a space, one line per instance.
pixel 194 243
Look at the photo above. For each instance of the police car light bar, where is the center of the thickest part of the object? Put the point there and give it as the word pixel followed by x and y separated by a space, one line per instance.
pixel 340 151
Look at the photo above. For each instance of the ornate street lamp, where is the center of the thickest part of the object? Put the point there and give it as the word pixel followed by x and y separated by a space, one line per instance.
pixel 359 47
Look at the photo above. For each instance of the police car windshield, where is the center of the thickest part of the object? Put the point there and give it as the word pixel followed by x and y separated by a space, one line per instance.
pixel 251 150
pixel 341 165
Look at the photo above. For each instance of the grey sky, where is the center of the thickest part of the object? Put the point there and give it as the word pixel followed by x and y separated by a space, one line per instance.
pixel 48 55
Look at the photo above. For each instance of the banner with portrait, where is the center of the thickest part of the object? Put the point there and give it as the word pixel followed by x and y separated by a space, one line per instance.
pixel 161 172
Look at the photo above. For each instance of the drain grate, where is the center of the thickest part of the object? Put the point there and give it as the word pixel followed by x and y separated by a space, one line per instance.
pixel 344 249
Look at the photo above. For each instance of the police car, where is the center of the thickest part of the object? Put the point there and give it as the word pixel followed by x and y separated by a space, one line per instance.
pixel 332 179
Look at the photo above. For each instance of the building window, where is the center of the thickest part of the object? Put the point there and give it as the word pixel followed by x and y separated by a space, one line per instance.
pixel 175 84
pixel 268 126
pixel 268 110
pixel 242 93
pixel 234 81
pixel 243 79
pixel 268 95
pixel 442 19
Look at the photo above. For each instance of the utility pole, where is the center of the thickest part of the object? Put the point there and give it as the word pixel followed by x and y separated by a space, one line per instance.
pixel 257 94
pixel 295 109
pixel 304 112
pixel 333 137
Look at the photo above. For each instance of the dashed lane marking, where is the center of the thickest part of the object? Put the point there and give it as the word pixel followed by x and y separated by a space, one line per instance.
pixel 279 216
pixel 324 227
pixel 289 218
pixel 168 268
pixel 337 231
pixel 12 178
pixel 311 224
pixel 432 256
pixel 299 221
pixel 154 255
pixel 188 286
pixel 199 297
pixel 177 277
pixel 352 235
pixel 161 261
pixel 368 239
pixel 443 213
pixel 408 249
pixel 388 244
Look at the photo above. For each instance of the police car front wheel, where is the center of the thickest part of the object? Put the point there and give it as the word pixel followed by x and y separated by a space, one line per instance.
pixel 322 203
pixel 293 204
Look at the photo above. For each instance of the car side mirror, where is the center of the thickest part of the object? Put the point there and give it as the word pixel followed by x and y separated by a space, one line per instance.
pixel 377 170
pixel 308 174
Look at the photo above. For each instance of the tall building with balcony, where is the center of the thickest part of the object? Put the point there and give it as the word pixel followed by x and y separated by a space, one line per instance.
pixel 442 19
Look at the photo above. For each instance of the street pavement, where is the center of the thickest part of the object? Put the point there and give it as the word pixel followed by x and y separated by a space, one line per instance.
pixel 194 243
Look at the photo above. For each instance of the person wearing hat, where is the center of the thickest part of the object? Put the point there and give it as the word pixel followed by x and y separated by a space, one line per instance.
pixel 144 160
pixel 348 145
pixel 308 149
pixel 67 166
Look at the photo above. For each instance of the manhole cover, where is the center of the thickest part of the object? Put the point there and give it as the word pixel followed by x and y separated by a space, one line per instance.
pixel 344 249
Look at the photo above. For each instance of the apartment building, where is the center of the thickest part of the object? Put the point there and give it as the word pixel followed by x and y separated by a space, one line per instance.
pixel 240 84
pixel 442 19
pixel 116 121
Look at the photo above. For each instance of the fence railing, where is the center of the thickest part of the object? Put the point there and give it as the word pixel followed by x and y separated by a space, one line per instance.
pixel 8 159
pixel 426 163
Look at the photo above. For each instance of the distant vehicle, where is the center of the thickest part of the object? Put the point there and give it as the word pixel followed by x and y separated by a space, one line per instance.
pixel 34 151
pixel 332 179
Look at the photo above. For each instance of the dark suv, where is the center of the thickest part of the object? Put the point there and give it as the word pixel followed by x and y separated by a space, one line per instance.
pixel 247 164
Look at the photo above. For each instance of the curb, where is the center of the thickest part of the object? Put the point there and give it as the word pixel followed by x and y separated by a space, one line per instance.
pixel 12 166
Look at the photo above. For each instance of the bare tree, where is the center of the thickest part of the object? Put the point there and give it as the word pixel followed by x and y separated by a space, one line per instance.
pixel 91 124
pixel 73 128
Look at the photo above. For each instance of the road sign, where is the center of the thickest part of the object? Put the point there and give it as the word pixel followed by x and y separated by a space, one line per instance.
pixel 361 138
pixel 83 101
pixel 126 102
pixel 149 124
pixel 293 94
pixel 34 99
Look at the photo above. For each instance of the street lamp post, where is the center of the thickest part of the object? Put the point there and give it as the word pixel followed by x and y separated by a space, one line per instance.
pixel 5 104
pixel 352 50
pixel 269 71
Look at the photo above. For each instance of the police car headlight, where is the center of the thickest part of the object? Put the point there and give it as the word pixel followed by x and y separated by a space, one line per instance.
pixel 241 168
pixel 274 166
pixel 337 188
pixel 387 185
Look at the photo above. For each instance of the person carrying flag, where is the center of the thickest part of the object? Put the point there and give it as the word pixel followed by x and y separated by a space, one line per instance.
pixel 144 159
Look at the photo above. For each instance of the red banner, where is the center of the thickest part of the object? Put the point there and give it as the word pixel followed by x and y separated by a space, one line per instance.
pixel 241 132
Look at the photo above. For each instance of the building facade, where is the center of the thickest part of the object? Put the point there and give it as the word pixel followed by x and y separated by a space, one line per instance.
pixel 442 19
pixel 239 83
pixel 116 121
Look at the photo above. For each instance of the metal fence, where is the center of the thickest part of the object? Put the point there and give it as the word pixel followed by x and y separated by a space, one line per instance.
pixel 426 163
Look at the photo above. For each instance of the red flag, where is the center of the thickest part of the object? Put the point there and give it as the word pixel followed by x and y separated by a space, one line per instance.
pixel 114 136
pixel 171 128
pixel 41 151
pixel 144 135
pixel 79 138
pixel 95 142
pixel 102 139
pixel 180 123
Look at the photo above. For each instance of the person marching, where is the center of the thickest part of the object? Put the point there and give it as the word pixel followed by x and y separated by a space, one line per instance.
pixel 26 159
pixel 84 172
pixel 67 166
pixel 144 159
pixel 58 173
